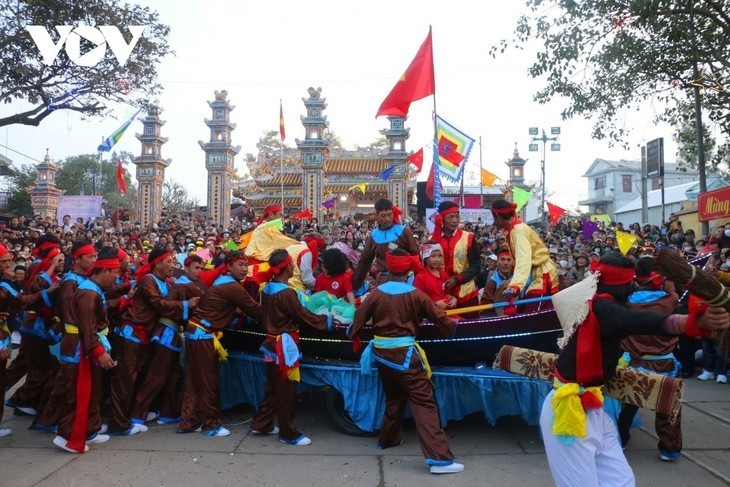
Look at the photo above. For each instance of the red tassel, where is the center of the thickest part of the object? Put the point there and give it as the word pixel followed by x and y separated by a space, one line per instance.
pixel 510 309
pixel 356 344
pixel 590 401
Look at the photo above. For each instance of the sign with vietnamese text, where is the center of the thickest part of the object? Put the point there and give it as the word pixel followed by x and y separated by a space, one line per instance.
pixel 713 205
pixel 78 207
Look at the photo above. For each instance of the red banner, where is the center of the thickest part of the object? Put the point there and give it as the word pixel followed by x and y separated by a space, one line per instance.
pixel 714 205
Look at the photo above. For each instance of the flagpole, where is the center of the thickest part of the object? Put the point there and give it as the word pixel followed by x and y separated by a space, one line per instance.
pixel 281 154
pixel 481 168
pixel 434 162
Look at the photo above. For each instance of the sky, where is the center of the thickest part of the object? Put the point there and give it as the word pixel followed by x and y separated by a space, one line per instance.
pixel 263 51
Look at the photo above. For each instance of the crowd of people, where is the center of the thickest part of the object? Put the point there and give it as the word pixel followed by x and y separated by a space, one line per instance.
pixel 104 308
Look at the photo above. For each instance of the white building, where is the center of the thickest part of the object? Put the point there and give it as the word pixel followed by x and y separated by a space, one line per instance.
pixel 614 184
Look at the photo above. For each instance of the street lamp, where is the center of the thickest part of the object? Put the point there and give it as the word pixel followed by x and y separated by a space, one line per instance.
pixel 554 147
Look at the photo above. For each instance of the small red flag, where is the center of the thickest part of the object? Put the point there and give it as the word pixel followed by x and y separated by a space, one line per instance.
pixel 120 177
pixel 417 82
pixel 416 159
pixel 304 214
pixel 555 213
pixel 282 132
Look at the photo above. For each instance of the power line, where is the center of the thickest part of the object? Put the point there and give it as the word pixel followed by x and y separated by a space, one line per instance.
pixel 18 152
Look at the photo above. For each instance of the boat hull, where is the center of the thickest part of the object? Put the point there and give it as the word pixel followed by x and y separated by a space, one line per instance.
pixel 476 342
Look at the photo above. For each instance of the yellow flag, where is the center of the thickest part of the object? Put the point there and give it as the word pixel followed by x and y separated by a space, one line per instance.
pixel 625 241
pixel 360 186
pixel 488 178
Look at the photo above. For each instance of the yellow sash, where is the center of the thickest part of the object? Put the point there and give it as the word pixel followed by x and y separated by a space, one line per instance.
pixel 217 345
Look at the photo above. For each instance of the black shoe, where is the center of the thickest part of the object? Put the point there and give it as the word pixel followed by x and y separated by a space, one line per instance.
pixel 687 375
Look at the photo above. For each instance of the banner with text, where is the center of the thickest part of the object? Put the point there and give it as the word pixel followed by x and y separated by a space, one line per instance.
pixel 78 207
pixel 713 205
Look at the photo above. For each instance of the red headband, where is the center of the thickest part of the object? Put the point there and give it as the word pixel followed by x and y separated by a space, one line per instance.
pixel 272 209
pixel 612 275
pixel 398 264
pixel 505 211
pixel 52 253
pixel 45 245
pixel 106 264
pixel 438 222
pixel 276 269
pixel 397 212
pixel 121 255
pixel 159 258
pixel 84 250
pixel 503 252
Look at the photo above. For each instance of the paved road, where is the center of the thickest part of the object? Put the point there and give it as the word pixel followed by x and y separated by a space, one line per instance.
pixel 508 454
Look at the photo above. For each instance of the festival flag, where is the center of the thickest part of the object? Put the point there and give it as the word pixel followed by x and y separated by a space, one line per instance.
pixel 417 82
pixel 589 228
pixel 360 186
pixel 433 185
pixel 520 197
pixel 488 178
pixel 386 174
pixel 121 183
pixel 229 245
pixel 282 132
pixel 453 147
pixel 330 203
pixel 625 241
pixel 555 213
pixel 304 214
pixel 203 254
pixel 109 142
pixel 416 159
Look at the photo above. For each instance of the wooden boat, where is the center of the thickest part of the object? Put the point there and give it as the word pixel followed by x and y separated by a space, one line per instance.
pixel 475 343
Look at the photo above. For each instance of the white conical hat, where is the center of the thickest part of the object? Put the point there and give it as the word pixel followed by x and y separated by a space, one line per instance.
pixel 571 305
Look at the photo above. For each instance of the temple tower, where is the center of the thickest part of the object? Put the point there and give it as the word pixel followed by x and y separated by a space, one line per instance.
pixel 397 135
pixel 313 150
pixel 516 169
pixel 150 169
pixel 219 155
pixel 44 195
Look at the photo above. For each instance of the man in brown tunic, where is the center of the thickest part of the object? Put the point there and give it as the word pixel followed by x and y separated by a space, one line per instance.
pixel 84 255
pixel 397 309
pixel 9 298
pixel 38 333
pixel 84 355
pixel 389 235
pixel 654 353
pixel 282 316
pixel 218 309
pixel 131 340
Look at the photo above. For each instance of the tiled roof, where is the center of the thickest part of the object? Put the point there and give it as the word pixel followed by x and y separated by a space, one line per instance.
pixel 355 166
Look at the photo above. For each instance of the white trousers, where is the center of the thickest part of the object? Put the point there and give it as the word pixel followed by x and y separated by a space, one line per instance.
pixel 593 461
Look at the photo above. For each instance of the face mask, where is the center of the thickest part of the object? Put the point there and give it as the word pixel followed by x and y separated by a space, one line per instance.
pixel 727 233
pixel 360 248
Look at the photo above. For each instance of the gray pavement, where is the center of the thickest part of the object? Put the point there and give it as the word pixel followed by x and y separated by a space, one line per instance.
pixel 508 454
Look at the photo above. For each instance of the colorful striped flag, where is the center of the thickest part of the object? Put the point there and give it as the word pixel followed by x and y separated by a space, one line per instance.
pixel 453 147
pixel 109 142
pixel 433 184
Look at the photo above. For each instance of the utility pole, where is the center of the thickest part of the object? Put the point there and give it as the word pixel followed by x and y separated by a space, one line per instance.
pixel 554 147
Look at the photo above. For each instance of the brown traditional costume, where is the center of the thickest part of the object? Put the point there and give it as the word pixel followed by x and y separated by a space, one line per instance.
pixel 217 309
pixel 282 316
pixel 397 310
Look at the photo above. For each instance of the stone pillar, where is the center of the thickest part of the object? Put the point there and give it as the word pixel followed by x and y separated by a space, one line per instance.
pixel 150 169
pixel 44 195
pixel 219 155
pixel 397 135
pixel 313 151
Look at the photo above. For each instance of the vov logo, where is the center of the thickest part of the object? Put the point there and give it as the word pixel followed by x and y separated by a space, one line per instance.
pixel 71 36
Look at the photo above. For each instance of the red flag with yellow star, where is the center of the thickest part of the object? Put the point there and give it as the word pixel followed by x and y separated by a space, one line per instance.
pixel 417 82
